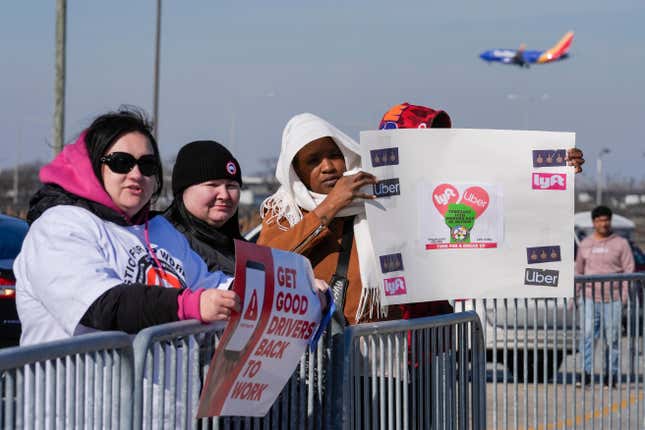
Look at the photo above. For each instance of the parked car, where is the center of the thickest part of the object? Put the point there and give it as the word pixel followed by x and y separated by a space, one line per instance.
pixel 12 233
pixel 530 325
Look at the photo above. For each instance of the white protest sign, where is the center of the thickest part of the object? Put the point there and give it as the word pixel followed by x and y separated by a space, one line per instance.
pixel 471 213
pixel 262 345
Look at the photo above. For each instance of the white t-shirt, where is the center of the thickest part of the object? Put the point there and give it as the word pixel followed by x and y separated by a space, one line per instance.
pixel 70 257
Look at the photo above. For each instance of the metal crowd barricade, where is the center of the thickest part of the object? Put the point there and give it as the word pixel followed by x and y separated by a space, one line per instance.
pixel 168 362
pixel 82 382
pixel 171 362
pixel 415 374
pixel 397 374
pixel 535 358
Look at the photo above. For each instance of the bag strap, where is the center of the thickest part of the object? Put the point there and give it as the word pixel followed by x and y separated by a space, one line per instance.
pixel 339 282
pixel 346 247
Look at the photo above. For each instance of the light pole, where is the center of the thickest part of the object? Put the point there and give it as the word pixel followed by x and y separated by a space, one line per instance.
pixel 155 101
pixel 599 178
pixel 59 79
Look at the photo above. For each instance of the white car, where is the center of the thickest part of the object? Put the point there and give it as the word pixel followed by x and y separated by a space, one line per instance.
pixel 538 330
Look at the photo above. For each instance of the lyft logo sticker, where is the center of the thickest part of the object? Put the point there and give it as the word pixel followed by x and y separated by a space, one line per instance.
pixel 549 158
pixel 395 286
pixel 549 181
pixel 387 187
pixel 543 278
pixel 385 157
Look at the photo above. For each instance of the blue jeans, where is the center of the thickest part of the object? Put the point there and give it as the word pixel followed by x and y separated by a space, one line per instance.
pixel 591 314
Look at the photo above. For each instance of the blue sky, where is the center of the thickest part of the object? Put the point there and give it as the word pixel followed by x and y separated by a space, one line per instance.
pixel 237 71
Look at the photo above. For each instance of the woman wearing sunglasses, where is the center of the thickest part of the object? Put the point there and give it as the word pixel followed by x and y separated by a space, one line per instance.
pixel 93 258
pixel 206 181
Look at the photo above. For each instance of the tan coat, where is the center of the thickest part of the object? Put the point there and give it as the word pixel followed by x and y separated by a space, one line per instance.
pixel 322 246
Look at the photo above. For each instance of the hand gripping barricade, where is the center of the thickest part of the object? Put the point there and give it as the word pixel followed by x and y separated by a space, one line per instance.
pixel 82 382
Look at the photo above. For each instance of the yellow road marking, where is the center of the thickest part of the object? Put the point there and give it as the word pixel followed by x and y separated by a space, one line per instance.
pixel 596 413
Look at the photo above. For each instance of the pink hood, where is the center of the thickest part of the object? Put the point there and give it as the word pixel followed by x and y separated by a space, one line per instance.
pixel 72 170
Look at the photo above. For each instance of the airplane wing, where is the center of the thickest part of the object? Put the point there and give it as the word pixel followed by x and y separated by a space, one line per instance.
pixel 558 51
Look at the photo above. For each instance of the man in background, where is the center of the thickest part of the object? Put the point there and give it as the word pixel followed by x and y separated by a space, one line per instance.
pixel 602 253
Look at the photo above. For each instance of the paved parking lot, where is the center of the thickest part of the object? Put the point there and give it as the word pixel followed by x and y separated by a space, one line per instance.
pixel 564 406
pixel 559 404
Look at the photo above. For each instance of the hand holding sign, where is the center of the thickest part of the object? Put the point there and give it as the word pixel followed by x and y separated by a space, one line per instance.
pixel 216 305
pixel 345 190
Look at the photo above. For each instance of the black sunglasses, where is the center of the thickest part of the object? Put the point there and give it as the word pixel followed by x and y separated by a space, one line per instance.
pixel 122 162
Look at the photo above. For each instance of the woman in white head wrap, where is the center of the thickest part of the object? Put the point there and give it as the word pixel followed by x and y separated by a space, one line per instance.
pixel 320 189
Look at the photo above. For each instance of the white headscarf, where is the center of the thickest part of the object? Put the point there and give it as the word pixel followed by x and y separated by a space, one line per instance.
pixel 293 195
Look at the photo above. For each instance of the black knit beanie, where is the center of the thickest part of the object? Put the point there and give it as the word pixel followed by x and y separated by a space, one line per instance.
pixel 201 161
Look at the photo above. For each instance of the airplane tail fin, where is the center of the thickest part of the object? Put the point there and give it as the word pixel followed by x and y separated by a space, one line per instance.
pixel 558 50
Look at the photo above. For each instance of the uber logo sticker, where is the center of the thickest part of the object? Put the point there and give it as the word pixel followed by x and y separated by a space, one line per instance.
pixel 549 157
pixel 544 278
pixel 385 157
pixel 391 263
pixel 387 187
pixel 542 254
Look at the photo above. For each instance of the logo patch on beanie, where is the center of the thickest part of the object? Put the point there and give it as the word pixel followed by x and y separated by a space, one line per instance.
pixel 231 168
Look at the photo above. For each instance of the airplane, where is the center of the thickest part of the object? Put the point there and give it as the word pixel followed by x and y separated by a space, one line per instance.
pixel 523 58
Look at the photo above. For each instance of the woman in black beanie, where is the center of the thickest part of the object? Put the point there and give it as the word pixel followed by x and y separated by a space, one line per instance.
pixel 206 183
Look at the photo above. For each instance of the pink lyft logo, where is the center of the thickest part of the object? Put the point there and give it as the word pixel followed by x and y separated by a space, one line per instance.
pixel 549 181
pixel 395 286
